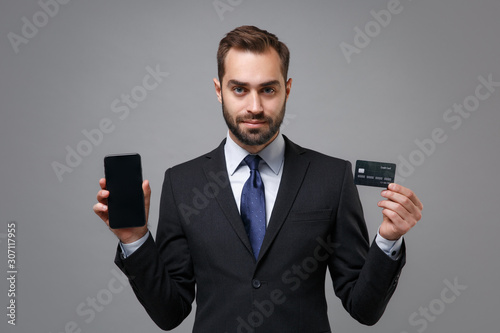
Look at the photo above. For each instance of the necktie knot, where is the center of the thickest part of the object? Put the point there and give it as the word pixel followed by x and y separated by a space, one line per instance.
pixel 253 161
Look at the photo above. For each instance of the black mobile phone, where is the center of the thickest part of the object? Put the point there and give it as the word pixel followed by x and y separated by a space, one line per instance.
pixel 123 175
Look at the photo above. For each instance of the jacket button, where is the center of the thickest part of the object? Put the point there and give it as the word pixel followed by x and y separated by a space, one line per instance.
pixel 256 284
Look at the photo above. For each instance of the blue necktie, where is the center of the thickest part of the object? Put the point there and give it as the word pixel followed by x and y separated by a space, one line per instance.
pixel 253 205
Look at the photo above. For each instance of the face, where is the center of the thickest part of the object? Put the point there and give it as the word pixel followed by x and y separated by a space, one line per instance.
pixel 253 95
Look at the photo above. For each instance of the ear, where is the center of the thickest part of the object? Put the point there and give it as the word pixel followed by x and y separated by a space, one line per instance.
pixel 288 87
pixel 218 90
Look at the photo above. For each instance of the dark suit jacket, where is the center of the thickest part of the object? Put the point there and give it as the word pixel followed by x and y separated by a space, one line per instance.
pixel 317 222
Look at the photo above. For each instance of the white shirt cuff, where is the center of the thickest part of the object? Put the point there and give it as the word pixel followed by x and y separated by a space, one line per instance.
pixel 390 247
pixel 128 249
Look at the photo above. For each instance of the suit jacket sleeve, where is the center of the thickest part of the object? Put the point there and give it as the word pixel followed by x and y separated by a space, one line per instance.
pixel 161 274
pixel 364 277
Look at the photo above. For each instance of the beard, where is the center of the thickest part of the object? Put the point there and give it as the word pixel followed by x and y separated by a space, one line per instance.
pixel 254 136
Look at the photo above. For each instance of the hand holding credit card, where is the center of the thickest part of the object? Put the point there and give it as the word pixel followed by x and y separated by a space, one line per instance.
pixel 377 174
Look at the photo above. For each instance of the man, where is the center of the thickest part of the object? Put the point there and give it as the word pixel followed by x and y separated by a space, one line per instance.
pixel 255 235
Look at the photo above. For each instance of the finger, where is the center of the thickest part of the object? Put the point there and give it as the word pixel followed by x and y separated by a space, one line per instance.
pixel 402 221
pixel 101 211
pixel 147 189
pixel 399 225
pixel 396 207
pixel 147 196
pixel 102 196
pixel 407 193
pixel 102 183
pixel 399 199
pixel 403 200
pixel 99 208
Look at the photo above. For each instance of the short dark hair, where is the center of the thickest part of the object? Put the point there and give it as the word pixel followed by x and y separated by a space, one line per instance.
pixel 253 39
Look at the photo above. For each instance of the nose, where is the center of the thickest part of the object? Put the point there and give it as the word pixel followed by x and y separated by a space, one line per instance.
pixel 255 105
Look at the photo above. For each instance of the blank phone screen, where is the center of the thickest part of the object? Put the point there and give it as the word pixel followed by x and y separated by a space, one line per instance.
pixel 123 175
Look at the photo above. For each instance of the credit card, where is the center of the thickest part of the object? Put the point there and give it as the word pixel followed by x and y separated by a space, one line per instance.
pixel 371 173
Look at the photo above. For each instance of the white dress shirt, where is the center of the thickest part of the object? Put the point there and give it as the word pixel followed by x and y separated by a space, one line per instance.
pixel 270 168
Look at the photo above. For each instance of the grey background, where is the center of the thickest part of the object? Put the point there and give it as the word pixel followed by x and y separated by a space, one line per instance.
pixel 393 92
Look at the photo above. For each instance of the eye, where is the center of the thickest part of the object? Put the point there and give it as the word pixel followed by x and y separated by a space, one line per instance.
pixel 238 90
pixel 268 90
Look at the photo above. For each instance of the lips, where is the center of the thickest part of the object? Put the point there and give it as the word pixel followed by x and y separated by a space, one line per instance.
pixel 253 123
pixel 252 120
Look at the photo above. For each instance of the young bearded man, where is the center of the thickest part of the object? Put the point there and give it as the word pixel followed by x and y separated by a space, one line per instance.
pixel 258 241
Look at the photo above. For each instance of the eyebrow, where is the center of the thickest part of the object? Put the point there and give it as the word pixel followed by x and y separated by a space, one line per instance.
pixel 263 84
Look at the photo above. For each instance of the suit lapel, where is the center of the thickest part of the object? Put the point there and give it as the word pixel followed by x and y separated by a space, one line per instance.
pixel 295 168
pixel 216 162
pixel 294 171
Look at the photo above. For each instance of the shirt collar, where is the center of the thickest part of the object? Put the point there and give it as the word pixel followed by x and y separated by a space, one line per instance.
pixel 273 154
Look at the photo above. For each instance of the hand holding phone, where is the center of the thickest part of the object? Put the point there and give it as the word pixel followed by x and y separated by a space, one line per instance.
pixel 127 217
pixel 123 175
